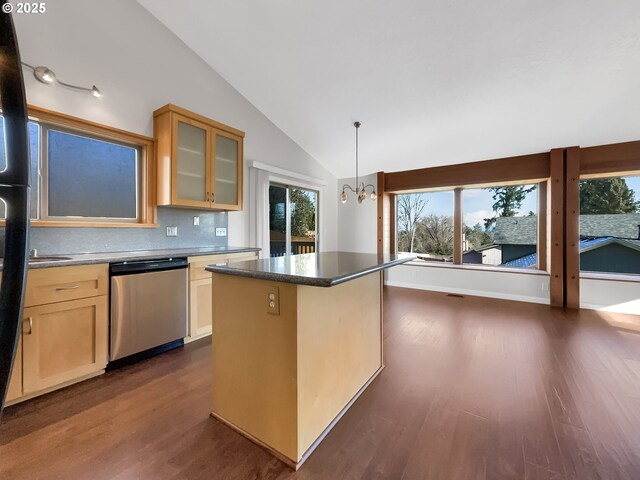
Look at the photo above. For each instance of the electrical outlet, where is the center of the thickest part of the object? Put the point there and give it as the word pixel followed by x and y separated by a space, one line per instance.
pixel 221 232
pixel 273 301
pixel 172 231
pixel 196 221
pixel 545 287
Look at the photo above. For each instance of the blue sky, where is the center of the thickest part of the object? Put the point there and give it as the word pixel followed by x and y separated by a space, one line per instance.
pixel 477 203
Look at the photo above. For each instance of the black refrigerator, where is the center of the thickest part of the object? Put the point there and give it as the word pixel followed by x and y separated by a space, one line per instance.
pixel 14 191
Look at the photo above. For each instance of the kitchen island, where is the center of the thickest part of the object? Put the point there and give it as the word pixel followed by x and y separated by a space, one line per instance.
pixel 296 340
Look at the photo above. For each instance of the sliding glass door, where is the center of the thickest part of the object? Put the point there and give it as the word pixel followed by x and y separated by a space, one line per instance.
pixel 293 220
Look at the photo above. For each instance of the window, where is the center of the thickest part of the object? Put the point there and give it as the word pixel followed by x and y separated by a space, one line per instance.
pixel 425 225
pixel 500 226
pixel 610 225
pixel 82 172
pixel 293 219
pixel 34 149
pixel 104 181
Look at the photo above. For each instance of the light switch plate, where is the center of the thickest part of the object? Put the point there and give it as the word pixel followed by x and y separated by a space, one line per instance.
pixel 221 232
pixel 172 231
pixel 196 221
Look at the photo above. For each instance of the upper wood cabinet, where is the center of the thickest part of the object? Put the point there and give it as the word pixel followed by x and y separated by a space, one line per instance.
pixel 200 162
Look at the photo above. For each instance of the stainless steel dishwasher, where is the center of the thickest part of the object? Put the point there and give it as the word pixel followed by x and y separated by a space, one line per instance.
pixel 148 307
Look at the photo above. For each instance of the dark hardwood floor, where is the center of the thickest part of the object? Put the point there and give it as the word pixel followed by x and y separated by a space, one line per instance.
pixel 473 389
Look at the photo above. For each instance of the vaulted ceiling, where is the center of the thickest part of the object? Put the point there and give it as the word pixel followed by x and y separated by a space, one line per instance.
pixel 433 81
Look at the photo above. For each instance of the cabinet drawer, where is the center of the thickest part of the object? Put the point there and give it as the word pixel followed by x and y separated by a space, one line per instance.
pixel 51 285
pixel 197 265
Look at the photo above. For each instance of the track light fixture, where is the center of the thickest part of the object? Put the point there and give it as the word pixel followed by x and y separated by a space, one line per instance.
pixel 46 75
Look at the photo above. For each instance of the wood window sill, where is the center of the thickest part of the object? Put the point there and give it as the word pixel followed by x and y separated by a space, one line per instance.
pixel 610 277
pixel 520 271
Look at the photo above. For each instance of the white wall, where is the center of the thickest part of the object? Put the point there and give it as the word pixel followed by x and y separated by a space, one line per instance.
pixel 357 223
pixel 610 296
pixel 505 285
pixel 139 66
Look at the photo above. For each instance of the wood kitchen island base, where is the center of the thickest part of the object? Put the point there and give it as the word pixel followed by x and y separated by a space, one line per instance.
pixel 284 380
pixel 296 339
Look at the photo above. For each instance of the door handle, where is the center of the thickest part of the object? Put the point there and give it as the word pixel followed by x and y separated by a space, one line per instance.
pixel 30 326
pixel 72 287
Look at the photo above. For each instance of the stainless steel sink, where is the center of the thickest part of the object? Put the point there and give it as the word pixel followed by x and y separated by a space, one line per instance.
pixel 47 259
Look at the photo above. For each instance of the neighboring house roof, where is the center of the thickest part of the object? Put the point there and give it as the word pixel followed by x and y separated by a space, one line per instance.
pixel 516 230
pixel 523 230
pixel 528 261
pixel 483 248
pixel 531 260
pixel 624 225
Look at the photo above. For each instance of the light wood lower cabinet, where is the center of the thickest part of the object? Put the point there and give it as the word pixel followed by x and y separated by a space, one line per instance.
pixel 63 341
pixel 200 293
pixel 200 298
pixel 15 384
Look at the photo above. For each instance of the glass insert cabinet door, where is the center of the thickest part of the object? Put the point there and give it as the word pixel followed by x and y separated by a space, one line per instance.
pixel 191 169
pixel 226 172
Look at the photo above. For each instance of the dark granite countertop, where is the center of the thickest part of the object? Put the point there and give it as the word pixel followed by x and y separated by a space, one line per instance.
pixel 111 257
pixel 324 269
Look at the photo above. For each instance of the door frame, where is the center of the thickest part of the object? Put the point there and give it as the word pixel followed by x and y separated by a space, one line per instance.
pixel 260 177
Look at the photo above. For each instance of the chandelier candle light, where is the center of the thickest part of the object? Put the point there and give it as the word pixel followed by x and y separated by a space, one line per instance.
pixel 361 189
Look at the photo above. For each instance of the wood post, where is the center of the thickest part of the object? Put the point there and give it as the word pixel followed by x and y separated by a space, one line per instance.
pixel 457 226
pixel 572 227
pixel 555 205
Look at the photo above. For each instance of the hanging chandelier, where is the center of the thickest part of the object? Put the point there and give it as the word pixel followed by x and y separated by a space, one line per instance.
pixel 361 189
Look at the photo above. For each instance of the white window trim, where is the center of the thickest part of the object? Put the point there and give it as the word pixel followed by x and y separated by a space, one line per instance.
pixel 260 177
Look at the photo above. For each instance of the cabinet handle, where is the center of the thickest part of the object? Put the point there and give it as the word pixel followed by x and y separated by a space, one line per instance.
pixel 30 326
pixel 206 198
pixel 213 198
pixel 72 287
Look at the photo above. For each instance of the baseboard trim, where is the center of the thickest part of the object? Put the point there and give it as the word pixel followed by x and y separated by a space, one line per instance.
pixel 291 463
pixel 473 293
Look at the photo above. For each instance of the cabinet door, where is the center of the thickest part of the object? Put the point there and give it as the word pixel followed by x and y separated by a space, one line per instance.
pixel 200 307
pixel 191 175
pixel 15 383
pixel 63 341
pixel 227 170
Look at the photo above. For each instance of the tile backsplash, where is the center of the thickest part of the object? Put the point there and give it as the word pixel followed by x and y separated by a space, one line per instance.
pixel 63 240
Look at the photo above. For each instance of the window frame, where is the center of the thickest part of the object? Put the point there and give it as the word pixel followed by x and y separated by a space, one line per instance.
pixel 558 173
pixel 591 274
pixel 396 236
pixel 146 188
pixel 458 213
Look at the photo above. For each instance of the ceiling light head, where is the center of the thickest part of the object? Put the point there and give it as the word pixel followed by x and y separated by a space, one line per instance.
pixel 362 195
pixel 44 75
pixel 343 197
pixel 374 195
pixel 95 92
